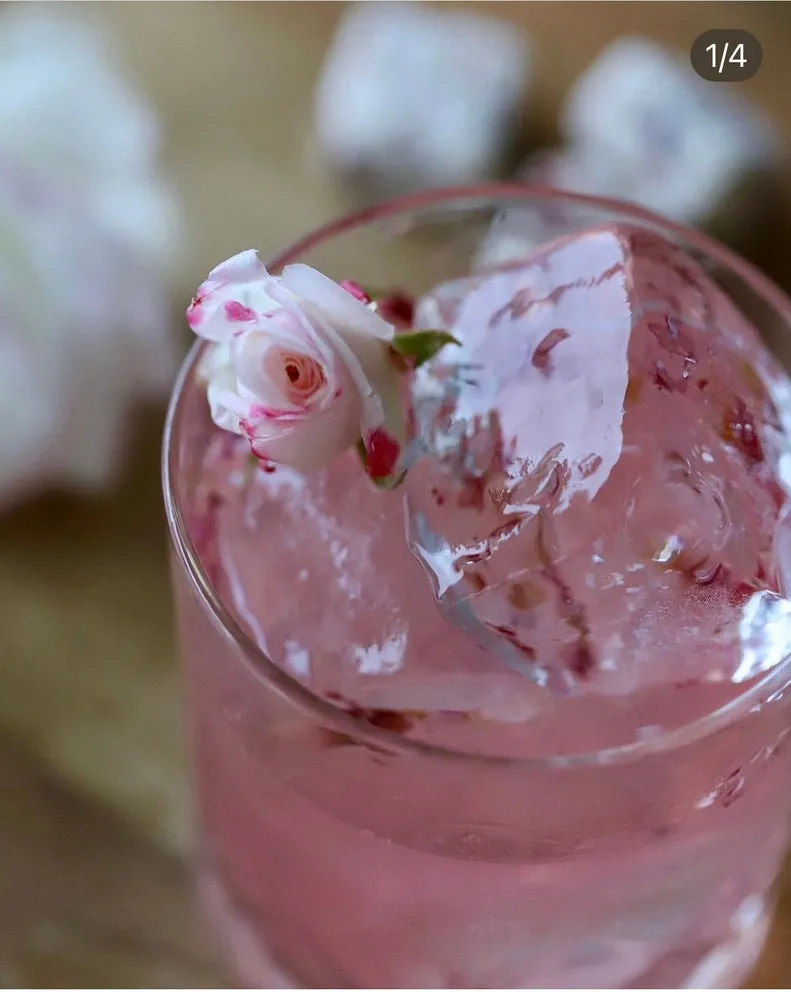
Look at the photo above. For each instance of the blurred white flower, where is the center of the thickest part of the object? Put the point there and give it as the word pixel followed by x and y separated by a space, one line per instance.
pixel 87 232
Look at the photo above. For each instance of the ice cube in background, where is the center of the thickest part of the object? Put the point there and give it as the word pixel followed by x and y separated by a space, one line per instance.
pixel 604 480
pixel 397 106
pixel 90 233
pixel 693 150
pixel 639 125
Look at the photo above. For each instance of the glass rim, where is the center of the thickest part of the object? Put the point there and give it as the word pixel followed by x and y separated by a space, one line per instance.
pixel 323 711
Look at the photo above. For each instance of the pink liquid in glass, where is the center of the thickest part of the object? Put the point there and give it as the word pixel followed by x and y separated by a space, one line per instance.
pixel 500 727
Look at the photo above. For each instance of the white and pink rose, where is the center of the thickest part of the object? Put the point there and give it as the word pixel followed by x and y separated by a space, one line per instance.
pixel 303 366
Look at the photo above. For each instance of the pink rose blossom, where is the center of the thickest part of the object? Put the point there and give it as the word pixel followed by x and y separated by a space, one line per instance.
pixel 298 364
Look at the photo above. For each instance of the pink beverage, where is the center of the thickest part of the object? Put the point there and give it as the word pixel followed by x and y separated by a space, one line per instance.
pixel 522 721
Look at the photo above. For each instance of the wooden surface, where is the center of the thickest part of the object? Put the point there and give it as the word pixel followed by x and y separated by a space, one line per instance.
pixel 95 824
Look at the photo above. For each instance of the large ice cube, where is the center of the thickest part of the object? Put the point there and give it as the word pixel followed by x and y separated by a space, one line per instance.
pixel 397 106
pixel 690 150
pixel 602 489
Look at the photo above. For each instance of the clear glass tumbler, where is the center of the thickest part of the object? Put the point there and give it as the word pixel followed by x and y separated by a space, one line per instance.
pixel 336 852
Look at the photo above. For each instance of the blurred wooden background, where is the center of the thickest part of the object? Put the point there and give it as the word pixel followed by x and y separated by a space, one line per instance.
pixel 95 825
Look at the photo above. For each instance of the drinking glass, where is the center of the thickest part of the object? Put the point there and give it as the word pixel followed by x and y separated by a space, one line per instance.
pixel 337 852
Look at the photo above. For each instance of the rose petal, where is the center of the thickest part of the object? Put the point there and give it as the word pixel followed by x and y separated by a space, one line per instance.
pixel 215 358
pixel 195 313
pixel 234 292
pixel 313 441
pixel 224 404
pixel 372 413
pixel 238 313
pixel 386 382
pixel 250 350
pixel 244 267
pixel 383 452
pixel 300 377
pixel 290 310
pixel 316 288
pixel 356 290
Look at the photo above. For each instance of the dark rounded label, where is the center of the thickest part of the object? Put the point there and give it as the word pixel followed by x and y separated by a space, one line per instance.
pixel 726 55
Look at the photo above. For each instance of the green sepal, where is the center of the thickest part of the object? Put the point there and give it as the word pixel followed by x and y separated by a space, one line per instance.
pixel 421 346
